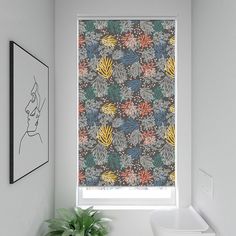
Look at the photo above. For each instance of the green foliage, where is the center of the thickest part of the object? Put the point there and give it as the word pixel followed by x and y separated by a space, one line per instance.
pixel 89 160
pixel 114 93
pixel 157 162
pixel 114 161
pixel 158 25
pixel 90 25
pixel 157 92
pixel 114 26
pixel 89 93
pixel 77 222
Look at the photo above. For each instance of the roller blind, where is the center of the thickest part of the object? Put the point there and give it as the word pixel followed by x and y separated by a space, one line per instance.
pixel 126 102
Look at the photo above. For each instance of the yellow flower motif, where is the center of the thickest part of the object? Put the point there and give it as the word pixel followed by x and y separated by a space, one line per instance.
pixel 172 176
pixel 170 135
pixel 170 68
pixel 109 109
pixel 172 40
pixel 109 177
pixel 104 67
pixel 172 108
pixel 109 41
pixel 104 135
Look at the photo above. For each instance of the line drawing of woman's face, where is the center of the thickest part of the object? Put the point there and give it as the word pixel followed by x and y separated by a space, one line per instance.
pixel 32 109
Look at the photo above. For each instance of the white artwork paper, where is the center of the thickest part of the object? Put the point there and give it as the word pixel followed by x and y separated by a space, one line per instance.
pixel 29 107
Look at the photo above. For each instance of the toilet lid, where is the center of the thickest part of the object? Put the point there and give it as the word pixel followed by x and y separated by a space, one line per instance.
pixel 182 219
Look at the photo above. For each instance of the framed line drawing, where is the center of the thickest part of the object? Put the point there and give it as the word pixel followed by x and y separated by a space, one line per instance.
pixel 29 113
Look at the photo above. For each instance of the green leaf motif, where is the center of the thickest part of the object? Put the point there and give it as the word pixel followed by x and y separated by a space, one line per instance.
pixel 89 25
pixel 114 93
pixel 158 26
pixel 114 161
pixel 114 26
pixel 89 93
pixel 89 160
pixel 157 162
pixel 157 92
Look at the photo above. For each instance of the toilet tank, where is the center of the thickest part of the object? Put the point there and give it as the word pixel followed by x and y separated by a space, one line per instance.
pixel 179 222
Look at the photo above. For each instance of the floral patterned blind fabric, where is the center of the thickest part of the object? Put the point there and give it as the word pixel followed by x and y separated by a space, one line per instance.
pixel 126 102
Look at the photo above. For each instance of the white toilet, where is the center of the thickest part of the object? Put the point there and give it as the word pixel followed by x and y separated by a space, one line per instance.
pixel 179 222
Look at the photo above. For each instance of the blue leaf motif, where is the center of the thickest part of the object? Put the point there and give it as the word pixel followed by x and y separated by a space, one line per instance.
pixel 129 57
pixel 92 181
pixel 134 85
pixel 160 50
pixel 134 152
pixel 160 118
pixel 160 181
pixel 92 117
pixel 129 126
pixel 92 50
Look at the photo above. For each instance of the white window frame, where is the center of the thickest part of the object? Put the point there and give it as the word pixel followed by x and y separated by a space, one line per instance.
pixel 125 196
pixel 173 192
pixel 66 14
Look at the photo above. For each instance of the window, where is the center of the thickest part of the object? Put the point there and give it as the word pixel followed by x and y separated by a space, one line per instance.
pixel 123 196
pixel 126 121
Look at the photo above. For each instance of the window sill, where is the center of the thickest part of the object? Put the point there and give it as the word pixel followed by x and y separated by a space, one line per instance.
pixel 113 207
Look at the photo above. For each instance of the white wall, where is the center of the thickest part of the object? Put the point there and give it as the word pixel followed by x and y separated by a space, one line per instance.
pixel 214 110
pixel 27 203
pixel 66 12
pixel 130 222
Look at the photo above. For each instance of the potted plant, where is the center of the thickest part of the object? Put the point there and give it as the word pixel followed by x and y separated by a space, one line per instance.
pixel 78 222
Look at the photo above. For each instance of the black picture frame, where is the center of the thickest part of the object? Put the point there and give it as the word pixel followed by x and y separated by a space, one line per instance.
pixel 36 137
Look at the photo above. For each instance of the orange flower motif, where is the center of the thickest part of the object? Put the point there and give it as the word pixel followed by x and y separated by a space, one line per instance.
pixel 129 108
pixel 83 68
pixel 81 108
pixel 129 40
pixel 83 136
pixel 129 176
pixel 148 69
pixel 145 41
pixel 81 41
pixel 148 137
pixel 81 176
pixel 145 177
pixel 144 108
